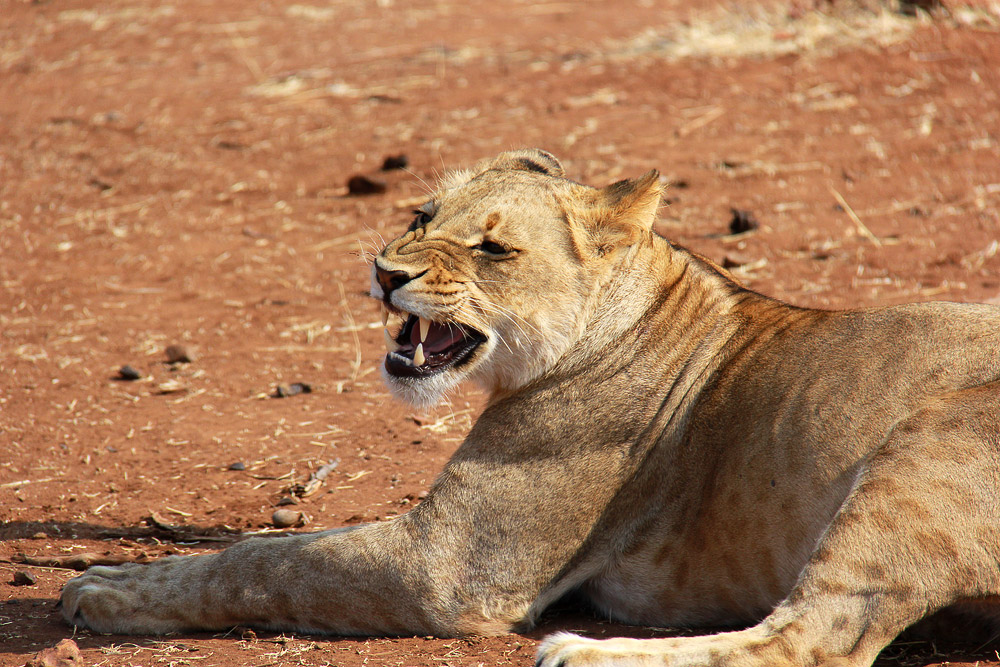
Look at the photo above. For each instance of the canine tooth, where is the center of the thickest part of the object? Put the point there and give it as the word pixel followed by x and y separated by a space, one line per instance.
pixel 418 355
pixel 425 326
pixel 385 315
pixel 390 344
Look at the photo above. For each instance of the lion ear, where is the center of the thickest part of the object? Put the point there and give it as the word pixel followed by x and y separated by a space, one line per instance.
pixel 623 211
pixel 632 201
pixel 527 159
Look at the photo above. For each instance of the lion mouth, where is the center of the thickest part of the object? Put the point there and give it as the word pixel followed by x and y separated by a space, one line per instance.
pixel 424 347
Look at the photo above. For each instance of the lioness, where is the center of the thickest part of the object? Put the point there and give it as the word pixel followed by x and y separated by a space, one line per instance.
pixel 676 448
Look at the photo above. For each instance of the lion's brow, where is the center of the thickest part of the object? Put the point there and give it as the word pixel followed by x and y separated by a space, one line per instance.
pixel 492 220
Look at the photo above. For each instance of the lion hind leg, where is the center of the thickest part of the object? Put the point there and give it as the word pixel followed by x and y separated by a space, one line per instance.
pixel 919 532
pixel 731 648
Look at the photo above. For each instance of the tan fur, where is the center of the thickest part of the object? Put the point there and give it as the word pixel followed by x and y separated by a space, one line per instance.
pixel 679 449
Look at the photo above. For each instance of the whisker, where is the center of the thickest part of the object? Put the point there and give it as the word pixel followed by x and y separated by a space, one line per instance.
pixel 513 320
pixel 496 334
pixel 372 233
pixel 505 343
pixel 497 308
pixel 426 186
pixel 497 282
pixel 366 252
pixel 366 257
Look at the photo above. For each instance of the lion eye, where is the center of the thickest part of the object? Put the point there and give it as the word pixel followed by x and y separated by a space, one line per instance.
pixel 421 218
pixel 492 248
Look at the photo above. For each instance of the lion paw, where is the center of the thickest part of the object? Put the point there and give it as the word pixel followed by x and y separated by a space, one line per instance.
pixel 116 600
pixel 568 650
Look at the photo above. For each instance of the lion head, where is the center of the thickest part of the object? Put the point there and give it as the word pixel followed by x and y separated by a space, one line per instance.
pixel 499 273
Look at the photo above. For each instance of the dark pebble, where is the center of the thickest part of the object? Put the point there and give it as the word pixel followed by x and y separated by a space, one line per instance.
pixel 22 578
pixel 287 500
pixel 743 221
pixel 733 260
pixel 362 185
pixel 239 465
pixel 178 354
pixel 128 373
pixel 395 162
pixel 292 389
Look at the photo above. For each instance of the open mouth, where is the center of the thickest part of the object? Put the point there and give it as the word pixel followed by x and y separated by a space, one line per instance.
pixel 423 347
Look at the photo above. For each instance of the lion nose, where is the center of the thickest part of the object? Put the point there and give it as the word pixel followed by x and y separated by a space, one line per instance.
pixel 390 280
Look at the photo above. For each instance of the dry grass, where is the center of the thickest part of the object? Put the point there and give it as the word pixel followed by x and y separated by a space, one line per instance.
pixel 774 29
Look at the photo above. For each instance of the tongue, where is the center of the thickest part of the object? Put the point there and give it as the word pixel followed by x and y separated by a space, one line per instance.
pixel 439 337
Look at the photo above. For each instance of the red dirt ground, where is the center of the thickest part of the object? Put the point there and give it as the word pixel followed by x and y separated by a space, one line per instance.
pixel 174 174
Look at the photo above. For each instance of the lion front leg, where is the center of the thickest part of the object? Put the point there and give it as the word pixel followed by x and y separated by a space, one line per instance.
pixel 370 580
pixel 465 561
pixel 919 532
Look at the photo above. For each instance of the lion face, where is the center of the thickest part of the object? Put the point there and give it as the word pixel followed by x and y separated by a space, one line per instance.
pixel 493 281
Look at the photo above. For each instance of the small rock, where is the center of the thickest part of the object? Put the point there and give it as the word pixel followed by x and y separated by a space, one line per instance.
pixel 914 7
pixel 179 354
pixel 395 162
pixel 743 221
pixel 362 185
pixel 22 578
pixel 238 465
pixel 286 518
pixel 103 186
pixel 128 373
pixel 733 260
pixel 64 654
pixel 291 390
pixel 287 500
